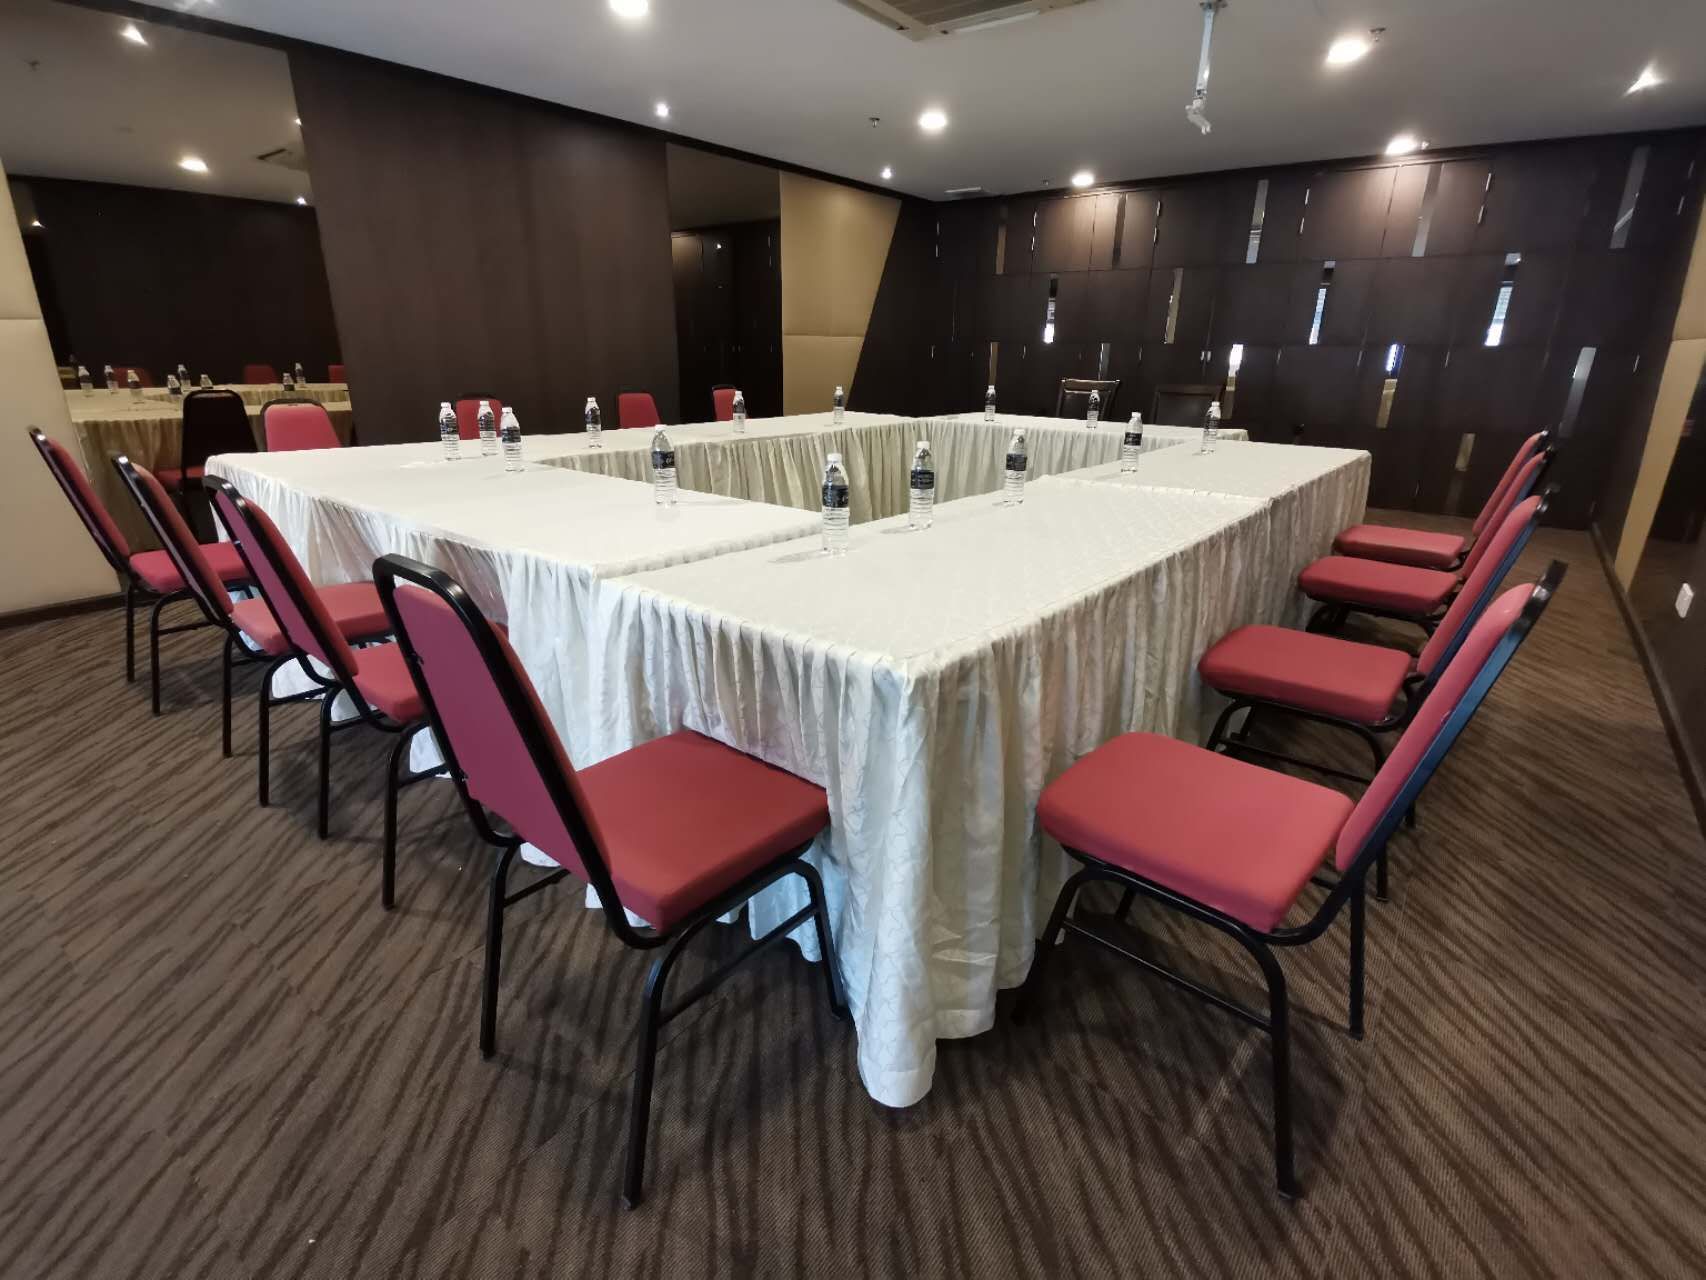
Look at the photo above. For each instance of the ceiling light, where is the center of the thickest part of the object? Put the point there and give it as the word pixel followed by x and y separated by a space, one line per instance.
pixel 36 223
pixel 195 164
pixel 661 110
pixel 933 121
pixel 297 121
pixel 887 173
pixel 1083 178
pixel 1646 80
pixel 1405 143
pixel 302 200
pixel 630 8
pixel 1347 49
pixel 131 32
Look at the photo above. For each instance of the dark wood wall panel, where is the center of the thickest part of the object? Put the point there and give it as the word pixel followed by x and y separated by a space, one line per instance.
pixel 728 315
pixel 476 241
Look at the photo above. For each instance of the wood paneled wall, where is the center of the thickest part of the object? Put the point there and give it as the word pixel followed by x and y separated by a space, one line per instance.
pixel 728 315
pixel 478 241
pixel 965 276
pixel 137 276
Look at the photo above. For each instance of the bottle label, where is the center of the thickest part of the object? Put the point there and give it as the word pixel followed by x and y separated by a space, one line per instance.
pixel 1134 439
pixel 835 496
pixel 923 478
pixel 662 458
pixel 1016 462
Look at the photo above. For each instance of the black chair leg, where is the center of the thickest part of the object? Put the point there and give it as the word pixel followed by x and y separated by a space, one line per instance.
pixel 265 735
pixel 1359 924
pixel 327 701
pixel 393 784
pixel 154 651
pixel 130 633
pixel 1047 943
pixel 494 951
pixel 1123 911
pixel 225 696
pixel 1218 733
pixel 825 943
pixel 1279 1033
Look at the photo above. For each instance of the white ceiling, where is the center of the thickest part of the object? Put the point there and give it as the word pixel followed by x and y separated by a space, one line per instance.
pixel 1101 85
pixel 99 108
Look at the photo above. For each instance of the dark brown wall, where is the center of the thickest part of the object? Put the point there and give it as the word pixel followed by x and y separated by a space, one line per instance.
pixel 481 242
pixel 144 277
pixel 1112 258
pixel 728 315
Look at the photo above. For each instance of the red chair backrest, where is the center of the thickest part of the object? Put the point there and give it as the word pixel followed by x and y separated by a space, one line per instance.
pixel 468 415
pixel 1478 590
pixel 181 545
pixel 636 409
pixel 123 371
pixel 284 585
pixel 723 402
pixel 259 374
pixel 84 501
pixel 1515 492
pixel 298 424
pixel 1524 451
pixel 335 373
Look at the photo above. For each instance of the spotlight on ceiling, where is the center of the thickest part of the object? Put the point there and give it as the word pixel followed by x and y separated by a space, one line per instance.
pixel 630 8
pixel 661 111
pixel 133 33
pixel 35 223
pixel 887 173
pixel 302 200
pixel 297 121
pixel 1347 49
pixel 1083 178
pixel 1646 80
pixel 934 120
pixel 195 164
pixel 1404 143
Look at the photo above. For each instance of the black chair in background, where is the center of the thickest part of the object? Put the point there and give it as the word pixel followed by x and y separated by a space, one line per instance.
pixel 1183 404
pixel 1073 401
pixel 216 420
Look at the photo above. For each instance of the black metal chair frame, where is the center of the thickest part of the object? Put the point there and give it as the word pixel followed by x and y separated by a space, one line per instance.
pixel 655 1013
pixel 326 689
pixel 1109 387
pixel 1347 888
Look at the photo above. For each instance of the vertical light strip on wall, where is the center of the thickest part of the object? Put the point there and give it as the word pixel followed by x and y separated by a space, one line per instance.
pixel 1001 242
pixel 1119 230
pixel 1631 194
pixel 994 356
pixel 1234 362
pixel 1460 470
pixel 1430 196
pixel 1389 387
pixel 1173 305
pixel 1256 216
pixel 1578 388
pixel 1048 315
pixel 1102 359
pixel 1502 303
pixel 1321 301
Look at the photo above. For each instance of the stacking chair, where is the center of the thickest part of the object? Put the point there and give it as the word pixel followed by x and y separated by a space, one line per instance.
pixel 1183 404
pixel 1073 398
pixel 468 414
pixel 297 424
pixel 147 575
pixel 636 409
pixel 1233 845
pixel 1343 585
pixel 215 421
pixel 374 678
pixel 123 371
pixel 723 403
pixel 335 373
pixel 259 375
pixel 732 825
pixel 1424 548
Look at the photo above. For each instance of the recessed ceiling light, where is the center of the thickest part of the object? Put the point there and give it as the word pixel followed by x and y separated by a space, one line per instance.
pixel 133 33
pixel 887 173
pixel 661 110
pixel 36 223
pixel 302 200
pixel 297 121
pixel 933 121
pixel 1646 80
pixel 1083 178
pixel 195 164
pixel 630 8
pixel 1405 143
pixel 1347 49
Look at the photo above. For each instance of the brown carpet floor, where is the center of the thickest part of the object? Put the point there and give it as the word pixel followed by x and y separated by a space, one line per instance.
pixel 220 1058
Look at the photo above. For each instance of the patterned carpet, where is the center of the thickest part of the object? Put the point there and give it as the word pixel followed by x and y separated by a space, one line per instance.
pixel 220 1058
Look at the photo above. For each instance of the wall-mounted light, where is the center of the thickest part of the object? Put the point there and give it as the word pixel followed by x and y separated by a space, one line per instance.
pixel 133 33
pixel 1646 80
pixel 934 120
pixel 194 164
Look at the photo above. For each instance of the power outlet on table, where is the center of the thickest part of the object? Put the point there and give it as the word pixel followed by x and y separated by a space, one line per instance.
pixel 1684 598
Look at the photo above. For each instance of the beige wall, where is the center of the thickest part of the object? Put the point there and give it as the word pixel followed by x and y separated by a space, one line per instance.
pixel 1676 388
pixel 49 559
pixel 835 241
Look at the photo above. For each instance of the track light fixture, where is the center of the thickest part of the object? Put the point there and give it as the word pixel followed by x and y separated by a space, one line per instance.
pixel 1195 111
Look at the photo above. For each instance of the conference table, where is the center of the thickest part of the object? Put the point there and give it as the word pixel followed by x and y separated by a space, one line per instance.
pixel 258 393
pixel 931 681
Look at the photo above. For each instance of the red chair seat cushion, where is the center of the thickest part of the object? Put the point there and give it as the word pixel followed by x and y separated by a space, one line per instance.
pixel 1398 588
pixel 355 608
pixel 384 680
pixel 683 819
pixel 1317 673
pixel 160 575
pixel 1238 838
pixel 173 477
pixel 1402 546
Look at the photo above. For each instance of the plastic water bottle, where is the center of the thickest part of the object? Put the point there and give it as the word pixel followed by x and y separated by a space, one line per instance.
pixel 989 404
pixel 1093 414
pixel 737 411
pixel 1014 487
pixel 110 376
pixel 183 374
pixel 488 430
pixel 840 406
pixel 511 431
pixel 921 508
pixel 663 469
pixel 300 376
pixel 174 388
pixel 206 382
pixel 84 381
pixel 1211 427
pixel 448 434
pixel 836 496
pixel 134 383
pixel 1132 445
pixel 289 381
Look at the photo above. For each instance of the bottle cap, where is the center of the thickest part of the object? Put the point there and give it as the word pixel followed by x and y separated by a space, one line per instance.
pixel 443 405
pixel 592 399
pixel 923 444
pixel 835 457
pixel 485 404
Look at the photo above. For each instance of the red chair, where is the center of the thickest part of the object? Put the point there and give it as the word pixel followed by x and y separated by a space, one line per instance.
pixel 123 371
pixel 468 414
pixel 1424 548
pixel 259 374
pixel 297 424
pixel 215 421
pixel 1343 585
pixel 335 373
pixel 732 826
pixel 151 575
pixel 636 409
pixel 374 678
pixel 1233 845
pixel 723 403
